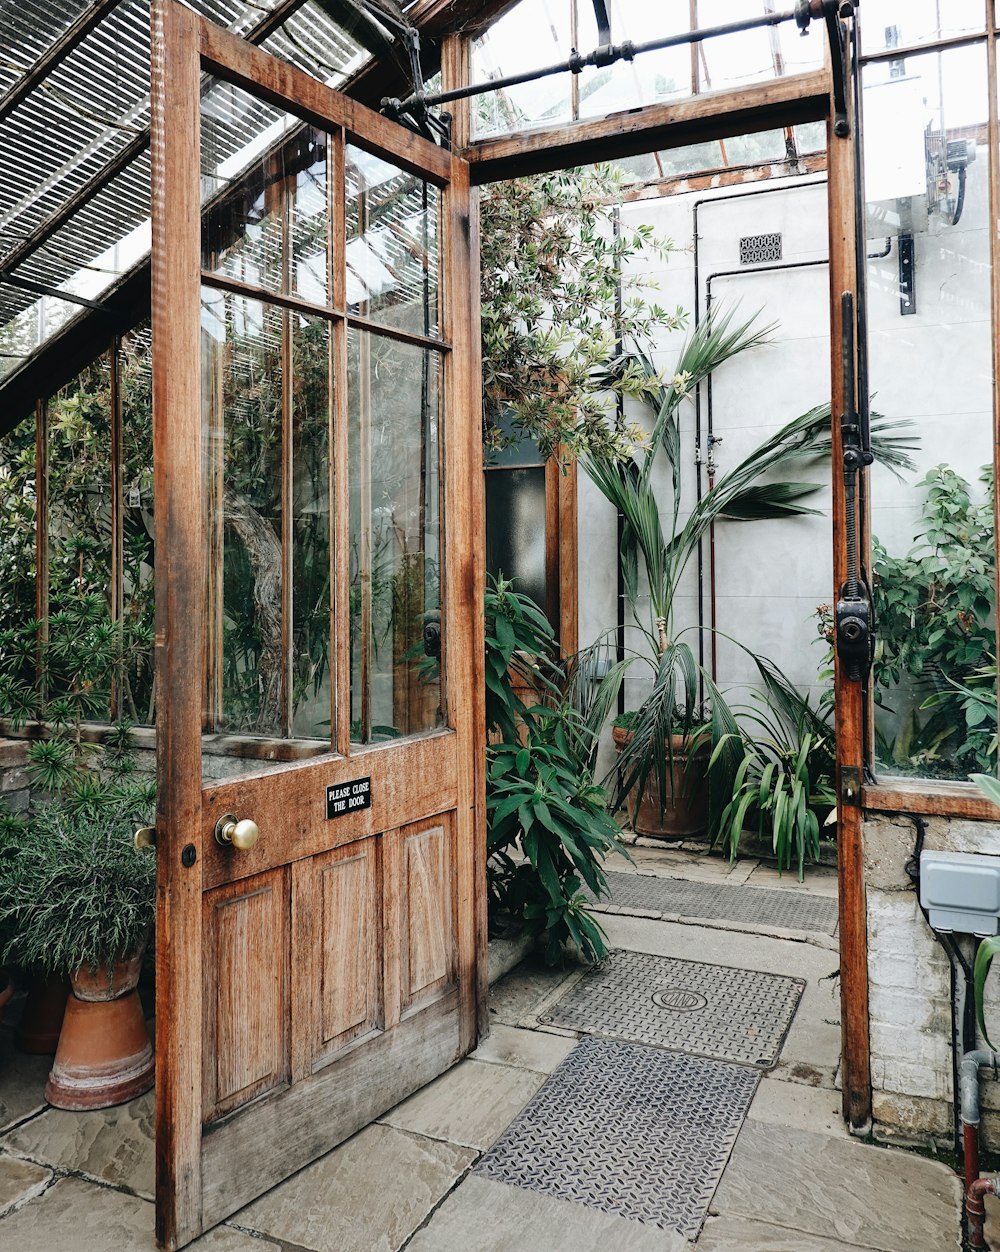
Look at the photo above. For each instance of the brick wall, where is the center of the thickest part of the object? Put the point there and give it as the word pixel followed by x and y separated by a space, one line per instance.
pixel 910 985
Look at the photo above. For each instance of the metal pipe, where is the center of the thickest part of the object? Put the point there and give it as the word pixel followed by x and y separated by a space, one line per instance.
pixel 975 1209
pixel 599 58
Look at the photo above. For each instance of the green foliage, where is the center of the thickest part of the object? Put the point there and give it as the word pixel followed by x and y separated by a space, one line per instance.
pixel 73 890
pixel 548 827
pixel 785 780
pixel 935 661
pixel 558 302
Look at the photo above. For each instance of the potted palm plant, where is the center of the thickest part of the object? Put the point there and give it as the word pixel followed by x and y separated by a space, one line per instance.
pixel 663 751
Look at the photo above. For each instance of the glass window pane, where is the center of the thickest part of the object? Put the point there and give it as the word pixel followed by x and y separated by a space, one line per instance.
pixel 392 244
pixel 17 526
pixel 529 37
pixel 754 55
pixel 889 24
pixel 515 528
pixel 310 529
pixel 653 77
pixel 394 401
pixel 79 525
pixel 931 364
pixel 135 388
pixel 242 380
pixel 267 173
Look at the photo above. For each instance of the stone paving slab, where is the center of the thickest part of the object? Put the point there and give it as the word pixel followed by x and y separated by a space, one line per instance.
pixel 77 1216
pixel 115 1145
pixel 22 1082
pixel 525 1049
pixel 868 1196
pixel 782 1103
pixel 737 1234
pixel 527 989
pixel 470 1105
pixel 368 1195
pixel 485 1216
pixel 19 1180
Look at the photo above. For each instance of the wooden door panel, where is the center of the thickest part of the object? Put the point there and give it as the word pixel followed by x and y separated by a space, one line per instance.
pixel 291 1128
pixel 416 777
pixel 427 941
pixel 348 978
pixel 245 991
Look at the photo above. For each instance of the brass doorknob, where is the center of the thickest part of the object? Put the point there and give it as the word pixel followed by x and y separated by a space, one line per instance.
pixel 242 835
pixel 144 837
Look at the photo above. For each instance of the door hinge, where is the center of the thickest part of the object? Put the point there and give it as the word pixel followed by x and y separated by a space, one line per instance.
pixel 850 786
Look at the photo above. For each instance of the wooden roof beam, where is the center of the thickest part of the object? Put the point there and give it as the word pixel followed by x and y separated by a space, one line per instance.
pixel 789 101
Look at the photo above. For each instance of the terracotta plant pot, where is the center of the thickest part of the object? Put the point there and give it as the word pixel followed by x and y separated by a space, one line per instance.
pixel 104 1055
pixel 42 1016
pixel 686 810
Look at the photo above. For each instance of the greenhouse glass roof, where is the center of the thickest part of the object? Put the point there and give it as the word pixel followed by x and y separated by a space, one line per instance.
pixel 74 133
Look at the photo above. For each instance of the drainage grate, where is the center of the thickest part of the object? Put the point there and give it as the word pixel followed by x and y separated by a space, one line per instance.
pixel 760 906
pixel 756 249
pixel 708 1010
pixel 630 1130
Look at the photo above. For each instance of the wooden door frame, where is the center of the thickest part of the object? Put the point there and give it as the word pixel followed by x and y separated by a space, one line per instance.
pixel 183 46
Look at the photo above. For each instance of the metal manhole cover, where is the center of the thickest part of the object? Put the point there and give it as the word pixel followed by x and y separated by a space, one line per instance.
pixel 744 1015
pixel 788 908
pixel 679 998
pixel 630 1130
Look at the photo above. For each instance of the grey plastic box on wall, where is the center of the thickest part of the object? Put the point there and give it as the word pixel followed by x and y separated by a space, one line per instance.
pixel 961 891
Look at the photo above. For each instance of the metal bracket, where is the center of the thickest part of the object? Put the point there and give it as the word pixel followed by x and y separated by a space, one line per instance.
pixel 907 275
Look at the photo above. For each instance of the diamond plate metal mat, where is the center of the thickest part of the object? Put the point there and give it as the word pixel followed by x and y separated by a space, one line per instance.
pixel 707 1010
pixel 631 1130
pixel 677 897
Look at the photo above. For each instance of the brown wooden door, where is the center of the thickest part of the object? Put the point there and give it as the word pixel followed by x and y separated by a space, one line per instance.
pixel 319 619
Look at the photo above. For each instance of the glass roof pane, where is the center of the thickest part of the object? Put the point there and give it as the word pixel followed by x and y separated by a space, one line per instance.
pixel 532 35
pixel 90 109
pixel 754 55
pixel 651 77
pixel 890 24
pixel 28 28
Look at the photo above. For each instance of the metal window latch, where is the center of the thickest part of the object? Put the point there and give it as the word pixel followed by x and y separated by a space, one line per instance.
pixel 854 614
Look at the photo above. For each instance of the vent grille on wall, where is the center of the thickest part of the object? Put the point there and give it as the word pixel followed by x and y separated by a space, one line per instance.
pixel 755 249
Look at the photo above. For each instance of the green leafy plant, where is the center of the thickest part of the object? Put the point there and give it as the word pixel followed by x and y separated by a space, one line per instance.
pixel 785 780
pixel 935 661
pixel 548 827
pixel 73 890
pixel 559 299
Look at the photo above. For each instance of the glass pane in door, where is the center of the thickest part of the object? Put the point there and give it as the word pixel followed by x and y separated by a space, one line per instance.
pixel 396 556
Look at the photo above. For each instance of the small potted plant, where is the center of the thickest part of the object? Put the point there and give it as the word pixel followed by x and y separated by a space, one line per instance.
pixel 78 899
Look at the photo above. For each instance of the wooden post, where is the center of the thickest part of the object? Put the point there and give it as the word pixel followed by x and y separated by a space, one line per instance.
pixel 180 620
pixel 855 1050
